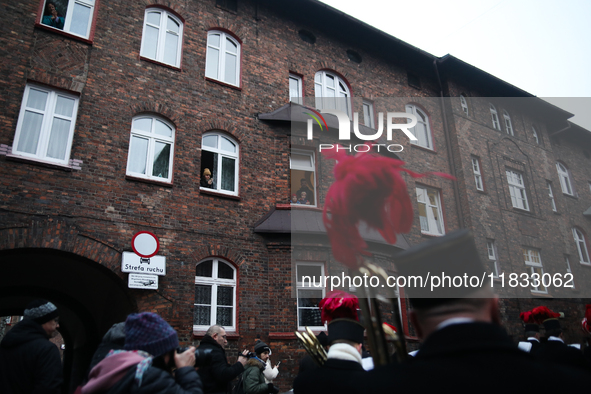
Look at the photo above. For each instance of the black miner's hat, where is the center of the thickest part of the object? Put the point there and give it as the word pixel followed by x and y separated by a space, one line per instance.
pixel 453 256
pixel 347 329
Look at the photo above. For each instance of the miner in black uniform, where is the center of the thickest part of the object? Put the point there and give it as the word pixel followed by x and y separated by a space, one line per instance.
pixel 532 335
pixel 556 351
pixel 342 372
pixel 464 349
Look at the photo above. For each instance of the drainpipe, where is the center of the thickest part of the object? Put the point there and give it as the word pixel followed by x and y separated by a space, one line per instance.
pixel 449 150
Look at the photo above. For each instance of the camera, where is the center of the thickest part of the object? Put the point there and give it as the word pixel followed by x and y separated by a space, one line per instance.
pixel 251 355
pixel 202 356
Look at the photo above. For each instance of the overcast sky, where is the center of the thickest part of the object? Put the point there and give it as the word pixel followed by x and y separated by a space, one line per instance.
pixel 540 46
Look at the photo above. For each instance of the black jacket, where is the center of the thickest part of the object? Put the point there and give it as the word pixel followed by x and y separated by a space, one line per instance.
pixel 157 381
pixel 335 376
pixel 29 362
pixel 474 357
pixel 216 376
pixel 559 353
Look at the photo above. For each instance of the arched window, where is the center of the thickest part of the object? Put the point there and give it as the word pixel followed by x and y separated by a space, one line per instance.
pixel 508 124
pixel 331 92
pixel 72 16
pixel 151 148
pixel 422 130
pixel 220 154
pixel 495 118
pixel 215 295
pixel 162 37
pixel 564 176
pixel 464 104
pixel 223 58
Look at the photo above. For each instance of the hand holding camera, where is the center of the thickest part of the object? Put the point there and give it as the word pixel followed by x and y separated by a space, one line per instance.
pixel 197 357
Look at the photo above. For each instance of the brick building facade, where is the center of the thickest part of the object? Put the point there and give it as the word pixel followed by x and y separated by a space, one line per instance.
pixel 109 121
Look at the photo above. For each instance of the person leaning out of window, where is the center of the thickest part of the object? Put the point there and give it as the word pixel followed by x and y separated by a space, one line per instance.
pixel 51 17
pixel 206 179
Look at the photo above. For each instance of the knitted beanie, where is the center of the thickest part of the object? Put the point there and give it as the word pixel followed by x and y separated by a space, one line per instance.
pixel 41 311
pixel 149 332
pixel 261 347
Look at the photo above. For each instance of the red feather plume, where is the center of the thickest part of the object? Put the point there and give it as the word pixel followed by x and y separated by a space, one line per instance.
pixel 527 317
pixel 586 323
pixel 367 188
pixel 338 304
pixel 542 313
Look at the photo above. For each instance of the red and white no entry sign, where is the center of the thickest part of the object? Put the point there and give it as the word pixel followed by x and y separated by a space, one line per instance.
pixel 145 244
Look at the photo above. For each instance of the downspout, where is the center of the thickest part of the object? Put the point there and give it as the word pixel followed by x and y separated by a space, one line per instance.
pixel 449 150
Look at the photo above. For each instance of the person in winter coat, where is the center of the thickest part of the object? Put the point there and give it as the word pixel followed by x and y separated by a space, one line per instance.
pixel 145 366
pixel 263 351
pixel 29 362
pixel 253 377
pixel 217 375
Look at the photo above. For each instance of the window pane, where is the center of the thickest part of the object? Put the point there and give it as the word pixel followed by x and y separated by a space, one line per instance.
pixel 150 42
pixel 64 106
pixel 173 26
pixel 80 19
pixel 224 316
pixel 231 47
pixel 138 153
pixel 170 48
pixel 37 99
pixel 228 174
pixel 302 161
pixel 204 269
pixel 230 69
pixel 58 141
pixel 309 317
pixel 203 294
pixel 309 298
pixel 227 145
pixel 162 160
pixel 162 129
pixel 212 63
pixel 225 295
pixel 202 315
pixel 29 137
pixel 153 18
pixel 225 271
pixel 211 141
pixel 144 124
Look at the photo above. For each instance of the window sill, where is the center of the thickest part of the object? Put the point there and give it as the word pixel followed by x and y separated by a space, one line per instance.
pixel 302 206
pixel 429 235
pixel 423 148
pixel 585 264
pixel 282 335
pixel 224 84
pixel 481 191
pixel 570 196
pixel 63 33
pixel 40 162
pixel 218 194
pixel 231 335
pixel 540 295
pixel 175 68
pixel 150 181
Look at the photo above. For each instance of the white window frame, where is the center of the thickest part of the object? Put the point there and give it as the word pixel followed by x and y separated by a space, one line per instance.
pixel 429 223
pixel 517 190
pixel 89 4
pixel 217 172
pixel 495 118
pixel 464 104
pixel 582 248
pixel 569 270
pixel 368 116
pixel 425 140
pixel 477 173
pixel 533 262
pixel 296 93
pixel 308 168
pixel 564 176
pixel 508 124
pixel 327 96
pixel 216 282
pixel 551 196
pixel 49 116
pixel 153 138
pixel 492 256
pixel 535 135
pixel 219 73
pixel 300 286
pixel 163 33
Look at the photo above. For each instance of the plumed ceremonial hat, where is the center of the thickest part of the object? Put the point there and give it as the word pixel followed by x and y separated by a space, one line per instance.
pixel 346 329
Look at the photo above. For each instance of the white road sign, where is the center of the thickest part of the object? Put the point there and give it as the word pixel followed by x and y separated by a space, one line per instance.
pixel 142 281
pixel 155 265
